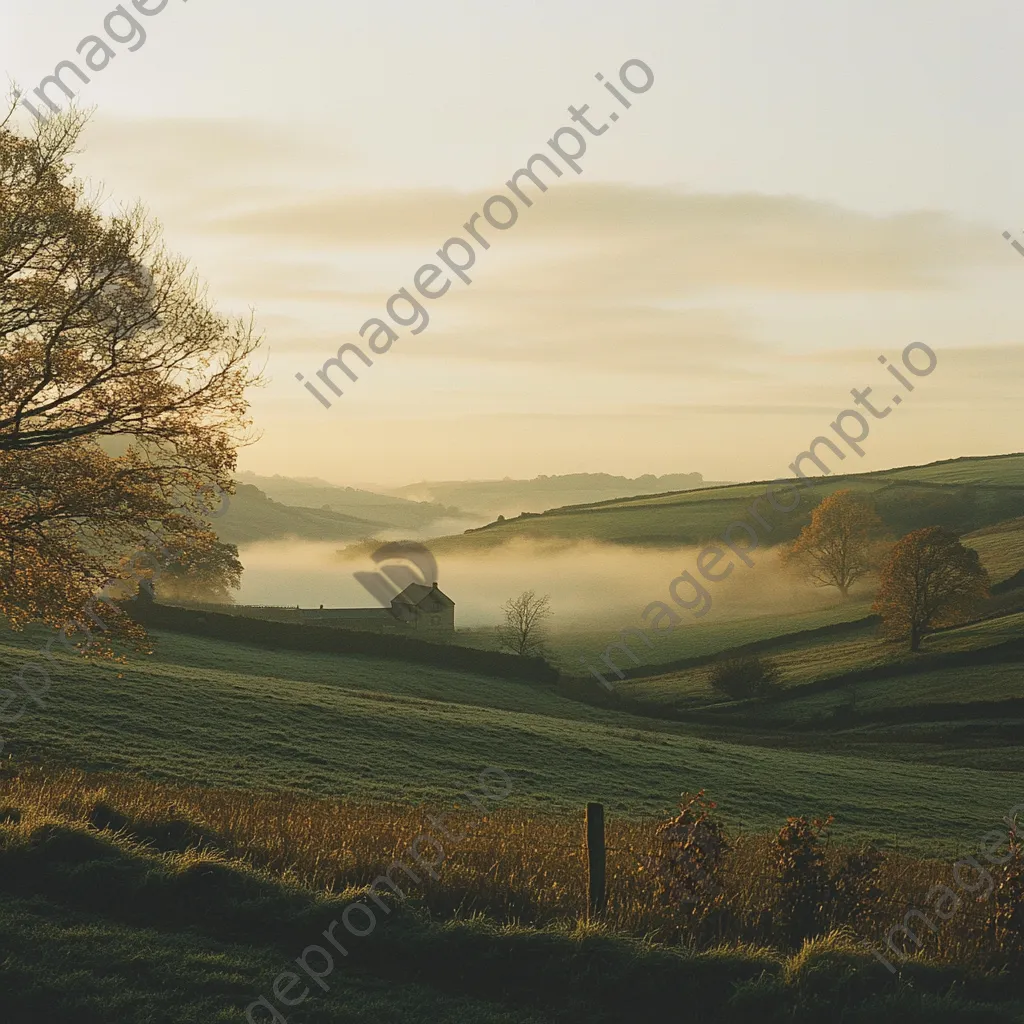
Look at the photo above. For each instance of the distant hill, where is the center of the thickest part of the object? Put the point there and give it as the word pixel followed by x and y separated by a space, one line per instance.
pixel 510 497
pixel 385 509
pixel 961 494
pixel 253 516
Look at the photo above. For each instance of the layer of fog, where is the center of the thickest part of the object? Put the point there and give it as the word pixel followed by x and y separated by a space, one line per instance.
pixel 447 527
pixel 589 584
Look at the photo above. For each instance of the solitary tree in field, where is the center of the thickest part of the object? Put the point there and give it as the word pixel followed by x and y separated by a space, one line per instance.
pixel 930 580
pixel 523 631
pixel 121 389
pixel 841 544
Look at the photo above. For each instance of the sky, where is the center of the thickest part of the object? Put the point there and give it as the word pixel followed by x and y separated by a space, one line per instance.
pixel 803 188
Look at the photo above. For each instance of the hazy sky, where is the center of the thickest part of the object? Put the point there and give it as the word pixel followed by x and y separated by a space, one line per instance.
pixel 804 187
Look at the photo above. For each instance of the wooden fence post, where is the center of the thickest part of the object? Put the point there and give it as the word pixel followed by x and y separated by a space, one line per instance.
pixel 596 858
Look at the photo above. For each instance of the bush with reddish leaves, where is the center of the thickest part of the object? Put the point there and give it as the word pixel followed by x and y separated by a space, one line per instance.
pixel 803 876
pixel 694 847
pixel 856 891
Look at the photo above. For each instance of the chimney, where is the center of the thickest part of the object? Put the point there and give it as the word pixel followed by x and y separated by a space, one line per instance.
pixel 435 584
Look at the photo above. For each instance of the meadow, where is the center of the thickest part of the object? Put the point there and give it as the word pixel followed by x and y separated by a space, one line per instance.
pixel 225 715
pixel 815 659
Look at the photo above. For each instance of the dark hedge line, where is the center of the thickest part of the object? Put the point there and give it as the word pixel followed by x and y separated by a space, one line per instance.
pixel 322 639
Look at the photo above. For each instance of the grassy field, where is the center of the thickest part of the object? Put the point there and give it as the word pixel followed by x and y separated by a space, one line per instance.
pixel 802 661
pixel 1001 547
pixel 698 638
pixel 229 715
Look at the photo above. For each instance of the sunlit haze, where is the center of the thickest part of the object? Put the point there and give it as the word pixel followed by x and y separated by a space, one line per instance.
pixel 803 188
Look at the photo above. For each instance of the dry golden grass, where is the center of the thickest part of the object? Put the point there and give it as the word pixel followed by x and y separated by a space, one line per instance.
pixel 511 866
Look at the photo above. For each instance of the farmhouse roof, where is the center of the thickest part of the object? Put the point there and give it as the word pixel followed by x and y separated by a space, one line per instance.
pixel 416 594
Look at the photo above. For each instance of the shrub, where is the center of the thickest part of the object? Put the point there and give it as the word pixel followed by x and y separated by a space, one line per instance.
pixel 694 846
pixel 803 877
pixel 855 886
pixel 1008 906
pixel 747 676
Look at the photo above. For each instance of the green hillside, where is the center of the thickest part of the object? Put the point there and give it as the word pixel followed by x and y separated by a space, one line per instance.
pixel 252 517
pixel 805 659
pixel 995 470
pixel 574 639
pixel 1001 548
pixel 229 715
pixel 395 512
pixel 962 494
pixel 813 659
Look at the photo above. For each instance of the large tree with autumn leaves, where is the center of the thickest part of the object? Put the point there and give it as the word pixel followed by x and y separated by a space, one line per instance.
pixel 841 544
pixel 930 580
pixel 122 392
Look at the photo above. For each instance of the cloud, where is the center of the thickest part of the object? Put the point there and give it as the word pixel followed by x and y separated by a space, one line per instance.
pixel 623 337
pixel 649 240
pixel 603 276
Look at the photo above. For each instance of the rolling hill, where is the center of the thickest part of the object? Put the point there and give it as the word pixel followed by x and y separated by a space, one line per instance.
pixel 391 511
pixel 962 494
pixel 253 516
pixel 917 755
pixel 233 716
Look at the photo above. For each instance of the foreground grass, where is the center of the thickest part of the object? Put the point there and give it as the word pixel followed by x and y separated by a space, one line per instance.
pixel 511 866
pixel 96 927
pixel 132 973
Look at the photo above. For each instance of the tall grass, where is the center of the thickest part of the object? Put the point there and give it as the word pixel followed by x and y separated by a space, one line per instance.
pixel 512 866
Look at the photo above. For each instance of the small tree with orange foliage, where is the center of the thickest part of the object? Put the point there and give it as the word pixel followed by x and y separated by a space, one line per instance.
pixel 841 544
pixel 930 580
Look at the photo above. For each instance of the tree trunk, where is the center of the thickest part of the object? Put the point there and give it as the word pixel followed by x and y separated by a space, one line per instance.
pixel 915 638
